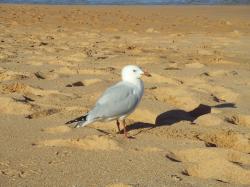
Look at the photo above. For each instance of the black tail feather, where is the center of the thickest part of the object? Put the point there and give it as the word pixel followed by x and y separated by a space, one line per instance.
pixel 82 118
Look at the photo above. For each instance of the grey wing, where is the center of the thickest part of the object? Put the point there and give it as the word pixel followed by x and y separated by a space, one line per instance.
pixel 116 101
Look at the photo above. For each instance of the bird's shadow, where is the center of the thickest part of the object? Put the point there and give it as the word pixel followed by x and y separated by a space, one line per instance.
pixel 174 116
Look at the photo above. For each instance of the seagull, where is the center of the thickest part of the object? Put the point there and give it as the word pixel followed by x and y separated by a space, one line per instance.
pixel 118 101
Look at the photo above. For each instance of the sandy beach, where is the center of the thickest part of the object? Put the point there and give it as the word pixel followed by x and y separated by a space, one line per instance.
pixel 192 127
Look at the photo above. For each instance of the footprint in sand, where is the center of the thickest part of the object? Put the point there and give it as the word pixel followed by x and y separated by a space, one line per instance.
pixel 227 139
pixel 225 93
pixel 51 75
pixel 43 113
pixel 219 73
pixel 11 106
pixel 212 137
pixel 76 84
pixel 12 75
pixel 220 92
pixel 239 119
pixel 94 143
pixel 26 89
pixel 14 173
pixel 214 163
pixel 24 107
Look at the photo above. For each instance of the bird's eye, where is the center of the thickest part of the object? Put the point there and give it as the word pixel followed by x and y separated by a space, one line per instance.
pixel 134 70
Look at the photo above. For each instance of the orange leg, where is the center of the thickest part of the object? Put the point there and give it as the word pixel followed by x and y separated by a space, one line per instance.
pixel 118 126
pixel 124 128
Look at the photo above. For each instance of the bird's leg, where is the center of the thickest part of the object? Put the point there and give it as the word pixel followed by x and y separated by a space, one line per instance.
pixel 118 126
pixel 124 128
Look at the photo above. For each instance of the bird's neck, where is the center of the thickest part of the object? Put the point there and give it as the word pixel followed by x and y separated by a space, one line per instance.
pixel 137 82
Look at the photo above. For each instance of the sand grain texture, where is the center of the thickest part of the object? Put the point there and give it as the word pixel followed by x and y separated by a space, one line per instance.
pixel 192 127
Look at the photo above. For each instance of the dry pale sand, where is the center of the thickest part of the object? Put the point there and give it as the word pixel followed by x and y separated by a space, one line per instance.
pixel 192 127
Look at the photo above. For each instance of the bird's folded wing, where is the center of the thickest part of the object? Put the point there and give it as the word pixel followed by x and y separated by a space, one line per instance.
pixel 117 100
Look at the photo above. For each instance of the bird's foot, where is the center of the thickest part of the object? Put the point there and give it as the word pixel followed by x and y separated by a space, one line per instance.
pixel 118 132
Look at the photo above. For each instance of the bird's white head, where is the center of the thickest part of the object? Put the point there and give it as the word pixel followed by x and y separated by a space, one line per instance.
pixel 132 73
